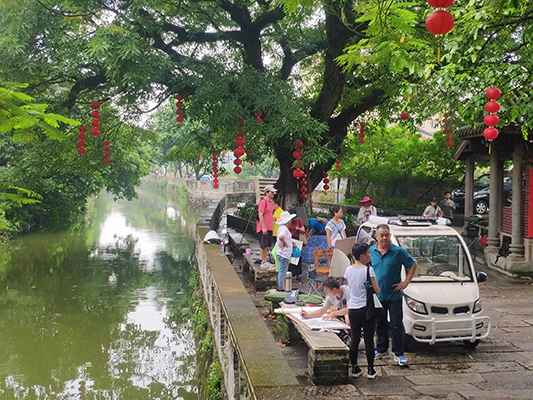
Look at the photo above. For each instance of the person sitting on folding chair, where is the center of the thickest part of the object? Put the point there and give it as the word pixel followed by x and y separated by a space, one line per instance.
pixel 336 303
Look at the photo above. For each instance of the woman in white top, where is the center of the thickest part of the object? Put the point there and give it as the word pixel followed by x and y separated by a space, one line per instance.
pixel 356 275
pixel 433 210
pixel 335 228
pixel 367 209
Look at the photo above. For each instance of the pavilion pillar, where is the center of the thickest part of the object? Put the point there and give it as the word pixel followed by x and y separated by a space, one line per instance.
pixel 469 186
pixel 517 245
pixel 494 231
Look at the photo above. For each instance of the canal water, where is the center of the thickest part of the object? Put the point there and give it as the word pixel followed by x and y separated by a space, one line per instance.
pixel 101 313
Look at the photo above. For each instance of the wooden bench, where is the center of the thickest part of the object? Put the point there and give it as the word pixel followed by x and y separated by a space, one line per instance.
pixel 328 356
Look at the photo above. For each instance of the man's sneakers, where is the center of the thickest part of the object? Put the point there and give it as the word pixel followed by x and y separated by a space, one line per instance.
pixel 356 371
pixel 379 356
pixel 401 360
pixel 371 374
pixel 267 264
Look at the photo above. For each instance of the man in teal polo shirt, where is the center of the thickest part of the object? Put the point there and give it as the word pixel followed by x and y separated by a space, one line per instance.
pixel 387 260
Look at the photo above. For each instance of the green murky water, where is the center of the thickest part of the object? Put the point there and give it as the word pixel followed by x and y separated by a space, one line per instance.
pixel 102 313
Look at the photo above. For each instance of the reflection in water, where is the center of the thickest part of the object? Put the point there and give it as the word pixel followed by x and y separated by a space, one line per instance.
pixel 100 314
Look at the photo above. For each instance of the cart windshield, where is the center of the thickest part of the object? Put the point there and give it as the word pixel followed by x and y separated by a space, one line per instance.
pixel 439 258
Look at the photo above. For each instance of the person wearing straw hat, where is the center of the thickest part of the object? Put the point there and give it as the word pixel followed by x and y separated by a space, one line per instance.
pixel 367 209
pixel 284 242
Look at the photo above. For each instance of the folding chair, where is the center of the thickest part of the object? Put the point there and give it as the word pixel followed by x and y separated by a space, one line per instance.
pixel 314 282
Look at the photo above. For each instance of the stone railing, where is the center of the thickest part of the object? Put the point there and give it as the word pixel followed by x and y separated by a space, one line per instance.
pixel 253 365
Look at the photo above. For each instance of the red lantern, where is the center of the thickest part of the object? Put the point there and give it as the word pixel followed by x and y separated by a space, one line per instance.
pixel 215 186
pixel 106 148
pixel 82 129
pixel 237 162
pixel 95 123
pixel 179 104
pixel 239 152
pixel 493 93
pixel 297 154
pixel 180 119
pixel 215 170
pixel 298 144
pixel 106 143
pixel 449 143
pixel 404 116
pixel 440 3
pixel 492 106
pixel 484 241
pixel 362 131
pixel 303 189
pixel 240 142
pixel 362 135
pixel 490 133
pixel 215 176
pixel 361 140
pixel 303 196
pixel 82 136
pixel 491 120
pixel 107 155
pixel 325 175
pixel 326 187
pixel 439 22
pixel 82 143
pixel 337 166
pixel 362 124
pixel 259 120
pixel 237 170
pixel 215 180
pixel 240 133
pixel 241 122
pixel 81 150
pixel 96 114
pixel 326 180
pixel 107 161
pixel 179 112
pixel 95 132
pixel 303 182
pixel 297 173
pixel 179 97
pixel 95 105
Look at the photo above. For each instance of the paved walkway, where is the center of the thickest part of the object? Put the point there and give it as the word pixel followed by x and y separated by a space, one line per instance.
pixel 500 368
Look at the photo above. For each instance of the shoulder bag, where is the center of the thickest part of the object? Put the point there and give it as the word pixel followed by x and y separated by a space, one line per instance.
pixel 373 305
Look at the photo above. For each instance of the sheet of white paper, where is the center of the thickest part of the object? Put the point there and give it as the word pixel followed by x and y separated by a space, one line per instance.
pixel 316 324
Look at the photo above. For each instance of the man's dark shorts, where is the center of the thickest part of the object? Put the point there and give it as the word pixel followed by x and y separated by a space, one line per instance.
pixel 265 241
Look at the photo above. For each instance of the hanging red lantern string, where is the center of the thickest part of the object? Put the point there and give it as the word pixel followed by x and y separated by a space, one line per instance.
pixel 362 132
pixel 297 154
pixel 447 131
pixel 81 143
pixel 325 180
pixel 215 170
pixel 107 151
pixel 440 22
pixel 258 116
pixel 179 106
pixel 303 187
pixel 337 163
pixel 239 147
pixel 95 123
pixel 492 120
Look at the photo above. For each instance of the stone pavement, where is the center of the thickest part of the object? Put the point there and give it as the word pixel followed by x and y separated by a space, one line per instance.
pixel 501 367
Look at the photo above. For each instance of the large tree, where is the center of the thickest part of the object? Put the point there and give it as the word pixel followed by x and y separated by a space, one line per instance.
pixel 232 59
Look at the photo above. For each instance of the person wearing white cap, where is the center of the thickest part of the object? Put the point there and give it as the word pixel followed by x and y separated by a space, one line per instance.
pixel 284 242
pixel 265 225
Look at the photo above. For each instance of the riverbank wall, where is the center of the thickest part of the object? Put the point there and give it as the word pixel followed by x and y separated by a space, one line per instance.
pixel 253 366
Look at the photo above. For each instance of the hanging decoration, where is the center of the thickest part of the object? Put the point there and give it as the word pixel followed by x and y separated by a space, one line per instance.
pixel 362 132
pixel 239 147
pixel 81 143
pixel 297 154
pixel 95 123
pixel 404 116
pixel 258 116
pixel 447 131
pixel 179 110
pixel 107 152
pixel 325 180
pixel 337 163
pixel 440 22
pixel 214 164
pixel 492 119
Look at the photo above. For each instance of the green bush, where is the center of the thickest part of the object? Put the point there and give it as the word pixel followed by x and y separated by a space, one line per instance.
pixel 248 211
pixel 213 384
